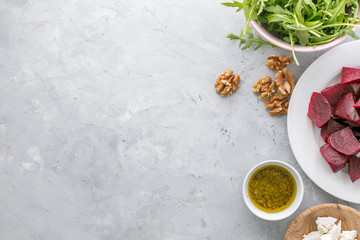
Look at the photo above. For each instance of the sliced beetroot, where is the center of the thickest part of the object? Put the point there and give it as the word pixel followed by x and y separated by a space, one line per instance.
pixel 335 159
pixel 331 127
pixel 344 141
pixel 350 75
pixel 357 91
pixel 334 93
pixel 346 123
pixel 356 132
pixel 354 168
pixel 357 104
pixel 345 109
pixel 319 110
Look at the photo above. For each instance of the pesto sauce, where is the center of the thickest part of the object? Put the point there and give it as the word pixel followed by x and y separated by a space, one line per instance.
pixel 272 188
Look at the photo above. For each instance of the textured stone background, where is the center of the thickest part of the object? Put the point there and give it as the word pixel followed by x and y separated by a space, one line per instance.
pixel 110 127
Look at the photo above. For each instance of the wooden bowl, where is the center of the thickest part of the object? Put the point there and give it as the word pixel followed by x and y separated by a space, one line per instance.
pixel 305 222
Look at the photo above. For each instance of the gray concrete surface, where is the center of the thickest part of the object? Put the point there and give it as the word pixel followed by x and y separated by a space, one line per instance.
pixel 110 127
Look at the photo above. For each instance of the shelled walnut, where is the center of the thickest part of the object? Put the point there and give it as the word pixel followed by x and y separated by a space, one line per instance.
pixel 280 110
pixel 277 93
pixel 278 62
pixel 265 86
pixel 278 104
pixel 285 81
pixel 227 83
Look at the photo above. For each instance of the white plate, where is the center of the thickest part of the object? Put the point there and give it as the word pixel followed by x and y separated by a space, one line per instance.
pixel 305 139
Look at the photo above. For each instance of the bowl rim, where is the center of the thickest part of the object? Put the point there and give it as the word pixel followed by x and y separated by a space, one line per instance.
pixel 284 213
pixel 297 48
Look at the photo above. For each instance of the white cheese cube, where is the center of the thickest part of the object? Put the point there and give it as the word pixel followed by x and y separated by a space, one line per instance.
pixel 324 224
pixel 335 231
pixel 312 236
pixel 326 237
pixel 348 235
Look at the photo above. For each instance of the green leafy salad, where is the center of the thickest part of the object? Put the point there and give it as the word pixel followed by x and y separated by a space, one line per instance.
pixel 302 22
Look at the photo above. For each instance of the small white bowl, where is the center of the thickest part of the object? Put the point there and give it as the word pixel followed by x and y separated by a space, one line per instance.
pixel 284 213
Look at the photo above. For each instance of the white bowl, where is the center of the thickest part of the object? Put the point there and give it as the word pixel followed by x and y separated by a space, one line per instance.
pixel 284 213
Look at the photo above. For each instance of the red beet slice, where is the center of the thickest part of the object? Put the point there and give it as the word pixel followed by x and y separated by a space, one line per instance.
pixel 354 168
pixel 335 159
pixel 357 92
pixel 334 93
pixel 319 110
pixel 331 127
pixel 357 104
pixel 344 141
pixel 350 75
pixel 345 109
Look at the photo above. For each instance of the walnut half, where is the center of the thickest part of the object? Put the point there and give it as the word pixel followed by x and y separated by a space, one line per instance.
pixel 278 62
pixel 278 104
pixel 266 86
pixel 227 83
pixel 285 81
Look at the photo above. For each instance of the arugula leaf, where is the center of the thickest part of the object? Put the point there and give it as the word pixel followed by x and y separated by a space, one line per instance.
pixel 277 9
pixel 311 4
pixel 260 4
pixel 298 11
pixel 280 18
pixel 338 11
pixel 351 33
pixel 313 12
pixel 313 23
pixel 303 37
pixel 237 4
pixel 249 12
pixel 250 39
pixel 292 48
pixel 232 36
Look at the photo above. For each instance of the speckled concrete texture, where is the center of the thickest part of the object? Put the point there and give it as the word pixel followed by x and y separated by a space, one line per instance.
pixel 110 127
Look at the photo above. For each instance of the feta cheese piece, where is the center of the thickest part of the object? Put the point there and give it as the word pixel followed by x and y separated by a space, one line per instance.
pixel 324 224
pixel 326 237
pixel 312 236
pixel 335 231
pixel 328 230
pixel 348 235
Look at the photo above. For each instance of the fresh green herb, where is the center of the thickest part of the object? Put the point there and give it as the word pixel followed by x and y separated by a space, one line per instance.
pixel 303 22
pixel 250 40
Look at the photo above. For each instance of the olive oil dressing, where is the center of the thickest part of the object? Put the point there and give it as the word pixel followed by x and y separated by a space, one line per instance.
pixel 272 188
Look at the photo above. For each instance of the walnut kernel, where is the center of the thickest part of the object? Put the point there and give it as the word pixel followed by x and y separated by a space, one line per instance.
pixel 278 104
pixel 278 62
pixel 227 83
pixel 281 110
pixel 285 81
pixel 266 86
